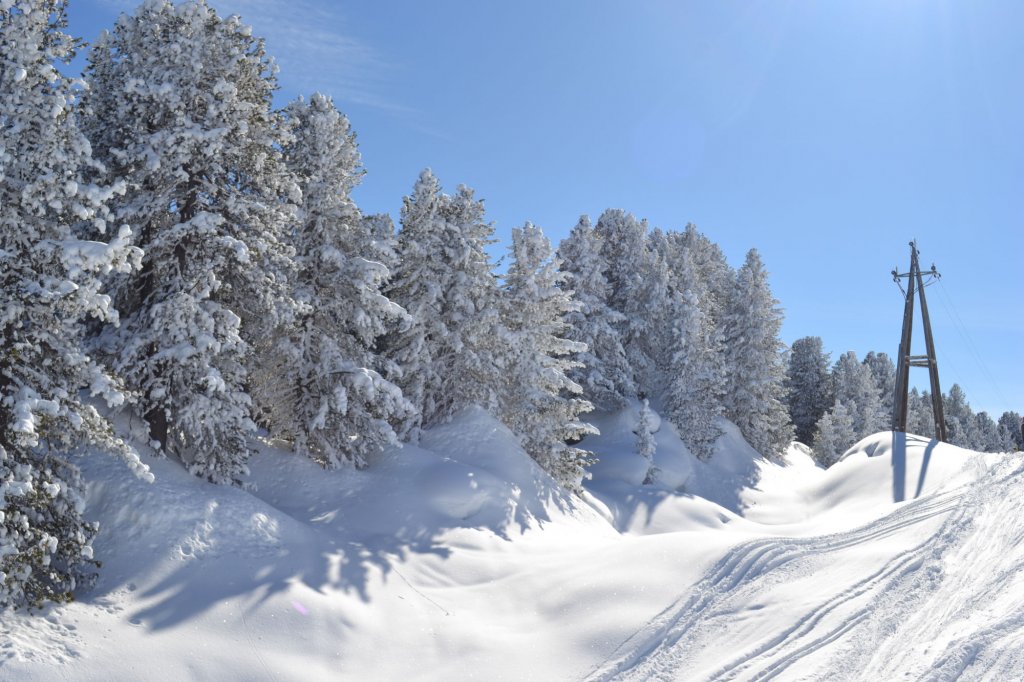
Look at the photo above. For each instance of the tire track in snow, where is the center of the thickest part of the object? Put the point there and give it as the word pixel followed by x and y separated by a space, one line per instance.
pixel 968 652
pixel 964 616
pixel 902 564
pixel 658 650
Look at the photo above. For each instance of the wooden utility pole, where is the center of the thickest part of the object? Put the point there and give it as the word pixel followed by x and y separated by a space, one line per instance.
pixel 915 284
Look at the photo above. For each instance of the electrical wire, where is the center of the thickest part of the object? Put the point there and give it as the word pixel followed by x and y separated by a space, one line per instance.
pixel 962 330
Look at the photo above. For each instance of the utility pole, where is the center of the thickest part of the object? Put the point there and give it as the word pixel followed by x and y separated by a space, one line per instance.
pixel 916 284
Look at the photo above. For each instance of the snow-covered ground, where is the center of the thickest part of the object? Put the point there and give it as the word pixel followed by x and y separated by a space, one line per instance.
pixel 459 559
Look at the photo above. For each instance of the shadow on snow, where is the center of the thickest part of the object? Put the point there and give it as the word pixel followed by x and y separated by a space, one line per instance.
pixel 325 530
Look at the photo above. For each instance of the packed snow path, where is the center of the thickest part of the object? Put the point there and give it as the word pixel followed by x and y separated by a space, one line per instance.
pixel 908 614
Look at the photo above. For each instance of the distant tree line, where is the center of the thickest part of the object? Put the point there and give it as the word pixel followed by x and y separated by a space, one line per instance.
pixel 834 406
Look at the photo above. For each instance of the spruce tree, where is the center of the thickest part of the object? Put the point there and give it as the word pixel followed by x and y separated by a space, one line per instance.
pixel 755 379
pixel 1010 431
pixel 626 259
pixel 854 384
pixel 834 434
pixel 604 372
pixel 883 372
pixel 987 438
pixel 713 279
pixel 318 383
pixel 711 267
pixel 665 288
pixel 960 427
pixel 179 108
pixel 447 354
pixel 50 284
pixel 539 402
pixel 808 386
pixel 920 419
pixel 695 389
pixel 379 229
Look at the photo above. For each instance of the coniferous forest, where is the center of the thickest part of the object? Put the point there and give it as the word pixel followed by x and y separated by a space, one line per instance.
pixel 174 246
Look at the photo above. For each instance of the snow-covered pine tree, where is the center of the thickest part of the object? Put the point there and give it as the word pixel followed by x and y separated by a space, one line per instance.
pixel 959 418
pixel 623 250
pixel 695 390
pixel 1010 431
pixel 625 255
pixel 50 283
pixel 379 228
pixel 417 284
pixel 883 371
pixel 809 386
pixel 179 108
pixel 854 384
pixel 920 420
pixel 539 403
pixel 987 434
pixel 834 434
pixel 604 374
pixel 318 383
pixel 474 302
pixel 712 276
pixel 712 270
pixel 658 342
pixel 646 446
pixel 755 369
pixel 448 355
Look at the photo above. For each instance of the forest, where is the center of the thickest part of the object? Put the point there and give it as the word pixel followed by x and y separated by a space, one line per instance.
pixel 174 246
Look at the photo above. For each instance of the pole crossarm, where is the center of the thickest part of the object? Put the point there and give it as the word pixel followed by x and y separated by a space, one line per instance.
pixel 916 284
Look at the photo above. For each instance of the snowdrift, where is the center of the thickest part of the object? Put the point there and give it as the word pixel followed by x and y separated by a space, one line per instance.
pixel 460 559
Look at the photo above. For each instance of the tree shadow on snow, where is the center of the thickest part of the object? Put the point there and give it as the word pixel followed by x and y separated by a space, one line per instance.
pixel 726 488
pixel 340 531
pixel 627 503
pixel 217 544
pixel 636 506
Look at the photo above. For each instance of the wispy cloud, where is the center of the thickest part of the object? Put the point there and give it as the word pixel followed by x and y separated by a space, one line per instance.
pixel 312 43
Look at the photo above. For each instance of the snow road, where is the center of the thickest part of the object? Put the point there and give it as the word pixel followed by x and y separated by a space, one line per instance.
pixel 854 605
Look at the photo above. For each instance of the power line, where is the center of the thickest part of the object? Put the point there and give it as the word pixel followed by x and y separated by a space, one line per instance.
pixel 965 335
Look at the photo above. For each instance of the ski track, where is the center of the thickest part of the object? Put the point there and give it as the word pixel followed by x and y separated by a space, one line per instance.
pixel 858 632
pixel 661 649
pixel 974 585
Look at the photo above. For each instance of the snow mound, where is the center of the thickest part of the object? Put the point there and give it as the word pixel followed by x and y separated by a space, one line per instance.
pixel 456 490
pixel 897 467
pixel 875 476
pixel 448 560
pixel 687 492
pixel 475 437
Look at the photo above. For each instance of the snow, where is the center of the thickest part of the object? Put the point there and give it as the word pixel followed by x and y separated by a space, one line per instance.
pixel 460 559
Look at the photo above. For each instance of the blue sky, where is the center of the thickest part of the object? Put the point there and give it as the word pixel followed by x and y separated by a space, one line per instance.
pixel 825 134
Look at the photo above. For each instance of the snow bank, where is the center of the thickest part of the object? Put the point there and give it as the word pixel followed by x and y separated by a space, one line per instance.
pixel 887 469
pixel 459 559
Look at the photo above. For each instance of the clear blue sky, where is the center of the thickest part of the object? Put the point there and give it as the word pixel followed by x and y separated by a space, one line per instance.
pixel 825 134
